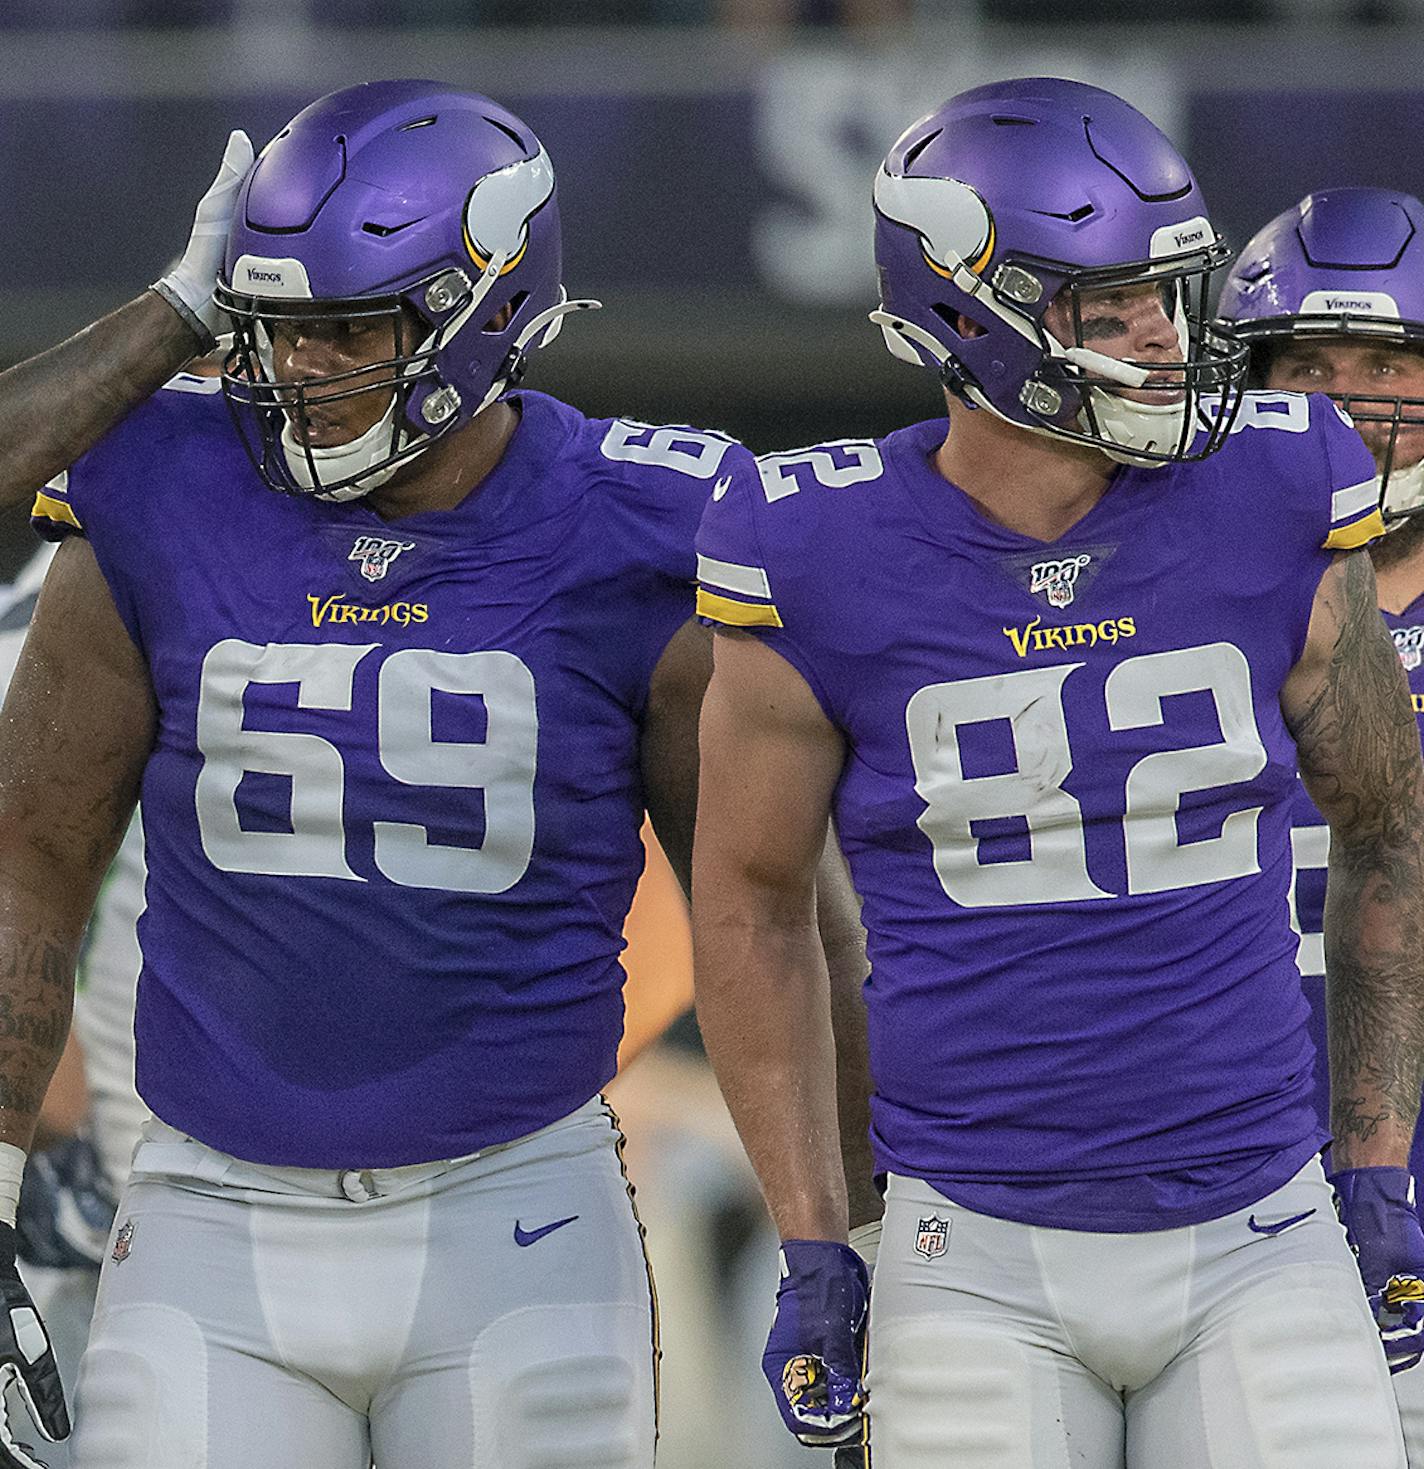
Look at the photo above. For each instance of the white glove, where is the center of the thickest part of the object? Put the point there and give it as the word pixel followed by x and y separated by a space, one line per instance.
pixel 188 287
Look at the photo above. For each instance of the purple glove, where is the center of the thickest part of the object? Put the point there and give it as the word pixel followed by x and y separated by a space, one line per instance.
pixel 1377 1209
pixel 813 1355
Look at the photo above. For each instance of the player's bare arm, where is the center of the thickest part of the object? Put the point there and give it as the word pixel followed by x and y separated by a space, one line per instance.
pixel 669 747
pixel 75 731
pixel 843 939
pixel 770 760
pixel 56 405
pixel 1347 703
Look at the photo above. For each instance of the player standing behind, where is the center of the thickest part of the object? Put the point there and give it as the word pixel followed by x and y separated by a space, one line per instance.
pixel 1330 295
pixel 1054 670
pixel 396 726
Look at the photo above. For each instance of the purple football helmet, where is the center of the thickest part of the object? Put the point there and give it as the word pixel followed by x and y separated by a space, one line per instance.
pixel 407 200
pixel 1020 193
pixel 1341 263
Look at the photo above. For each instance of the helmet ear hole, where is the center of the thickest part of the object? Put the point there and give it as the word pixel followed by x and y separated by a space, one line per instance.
pixel 961 323
pixel 500 320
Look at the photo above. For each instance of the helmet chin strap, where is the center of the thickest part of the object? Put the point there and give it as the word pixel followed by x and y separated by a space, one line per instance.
pixel 1130 428
pixel 1135 428
pixel 341 460
pixel 358 455
pixel 1404 492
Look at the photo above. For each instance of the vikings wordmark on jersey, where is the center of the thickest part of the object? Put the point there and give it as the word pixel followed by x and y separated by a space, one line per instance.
pixel 452 711
pixel 1066 803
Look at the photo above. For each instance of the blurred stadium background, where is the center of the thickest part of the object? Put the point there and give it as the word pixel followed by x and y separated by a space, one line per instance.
pixel 714 161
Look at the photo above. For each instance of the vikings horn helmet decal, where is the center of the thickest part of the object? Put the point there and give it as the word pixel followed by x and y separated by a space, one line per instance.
pixel 1342 263
pixel 955 227
pixel 406 203
pixel 499 209
pixel 1022 193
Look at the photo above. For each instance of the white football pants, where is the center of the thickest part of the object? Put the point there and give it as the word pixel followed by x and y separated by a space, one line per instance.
pixel 492 1310
pixel 1409 1393
pixel 998 1345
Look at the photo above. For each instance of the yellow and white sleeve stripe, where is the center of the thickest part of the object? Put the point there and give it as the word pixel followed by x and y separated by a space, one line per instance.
pixel 734 594
pixel 52 514
pixel 1355 518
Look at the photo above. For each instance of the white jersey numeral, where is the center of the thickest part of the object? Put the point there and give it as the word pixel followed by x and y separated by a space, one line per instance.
pixel 316 844
pixel 1031 701
pixel 1289 412
pixel 1310 850
pixel 502 765
pixel 853 462
pixel 687 450
pixel 1156 861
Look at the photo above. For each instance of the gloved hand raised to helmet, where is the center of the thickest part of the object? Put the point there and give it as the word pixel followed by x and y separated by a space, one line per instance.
pixel 188 287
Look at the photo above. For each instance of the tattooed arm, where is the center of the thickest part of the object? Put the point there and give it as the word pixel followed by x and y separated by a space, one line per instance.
pixel 1347 703
pixel 75 734
pixel 56 405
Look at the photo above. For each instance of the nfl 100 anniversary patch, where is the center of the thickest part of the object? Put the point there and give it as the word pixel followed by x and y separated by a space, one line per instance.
pixel 1409 644
pixel 1057 580
pixel 375 554
pixel 932 1237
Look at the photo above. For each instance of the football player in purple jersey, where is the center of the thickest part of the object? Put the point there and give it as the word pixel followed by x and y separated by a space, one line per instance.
pixel 1055 665
pixel 56 405
pixel 1330 297
pixel 399 655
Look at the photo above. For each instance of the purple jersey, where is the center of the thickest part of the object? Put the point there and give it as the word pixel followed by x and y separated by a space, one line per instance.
pixel 1310 840
pixel 1066 803
pixel 392 816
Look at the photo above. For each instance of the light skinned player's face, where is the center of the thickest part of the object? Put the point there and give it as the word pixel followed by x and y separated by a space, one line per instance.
pixel 1367 369
pixel 1133 323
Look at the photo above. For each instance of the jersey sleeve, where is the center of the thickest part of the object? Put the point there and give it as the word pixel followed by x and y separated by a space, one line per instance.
pixel 767 548
pixel 53 515
pixel 733 585
pixel 59 509
pixel 1355 517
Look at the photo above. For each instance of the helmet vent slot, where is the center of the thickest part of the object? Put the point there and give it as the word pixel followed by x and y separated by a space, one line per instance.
pixel 509 132
pixel 918 148
pixel 420 122
pixel 1004 121
pixel 1072 216
pixel 382 231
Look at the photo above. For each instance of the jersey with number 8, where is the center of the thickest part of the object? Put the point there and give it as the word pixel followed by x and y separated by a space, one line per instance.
pixel 1065 803
pixel 392 817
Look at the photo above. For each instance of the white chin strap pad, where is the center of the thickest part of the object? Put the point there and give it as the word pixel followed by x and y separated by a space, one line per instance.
pixel 341 460
pixel 1405 491
pixel 1136 428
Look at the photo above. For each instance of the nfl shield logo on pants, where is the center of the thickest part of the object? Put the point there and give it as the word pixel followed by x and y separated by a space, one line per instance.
pixel 932 1238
